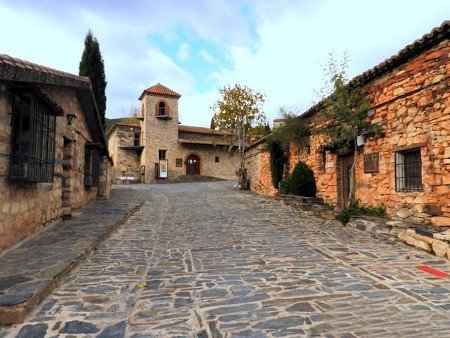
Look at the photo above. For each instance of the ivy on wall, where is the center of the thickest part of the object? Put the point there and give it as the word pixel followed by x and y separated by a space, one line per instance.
pixel 277 161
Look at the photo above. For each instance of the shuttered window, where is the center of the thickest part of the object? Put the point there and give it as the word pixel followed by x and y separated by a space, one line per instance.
pixel 371 163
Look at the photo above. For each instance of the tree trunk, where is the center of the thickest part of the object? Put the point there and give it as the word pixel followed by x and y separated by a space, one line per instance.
pixel 243 181
pixel 352 183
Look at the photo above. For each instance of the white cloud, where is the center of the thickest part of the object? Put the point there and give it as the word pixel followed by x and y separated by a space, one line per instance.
pixel 183 52
pixel 194 109
pixel 278 51
pixel 206 56
pixel 26 43
pixel 294 46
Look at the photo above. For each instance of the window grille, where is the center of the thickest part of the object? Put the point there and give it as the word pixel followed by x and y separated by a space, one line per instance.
pixel 32 140
pixel 91 166
pixel 371 163
pixel 408 170
pixel 179 162
pixel 162 154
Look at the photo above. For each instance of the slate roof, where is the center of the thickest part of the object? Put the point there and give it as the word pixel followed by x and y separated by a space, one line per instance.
pixel 410 51
pixel 125 121
pixel 17 70
pixel 31 75
pixel 159 89
pixel 202 130
pixel 427 41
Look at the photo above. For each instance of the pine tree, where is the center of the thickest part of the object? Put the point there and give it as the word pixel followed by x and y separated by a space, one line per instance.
pixel 92 66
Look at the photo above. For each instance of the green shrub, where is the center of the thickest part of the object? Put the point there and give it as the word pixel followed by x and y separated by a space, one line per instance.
pixel 277 161
pixel 301 182
pixel 355 209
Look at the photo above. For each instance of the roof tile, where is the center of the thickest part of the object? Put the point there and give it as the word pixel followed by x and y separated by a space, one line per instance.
pixel 202 130
pixel 20 70
pixel 159 89
pixel 410 51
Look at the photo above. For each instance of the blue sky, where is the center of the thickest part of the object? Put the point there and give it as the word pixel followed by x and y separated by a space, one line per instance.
pixel 195 47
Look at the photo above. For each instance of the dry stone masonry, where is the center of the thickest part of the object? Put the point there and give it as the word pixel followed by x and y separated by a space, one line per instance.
pixel 405 168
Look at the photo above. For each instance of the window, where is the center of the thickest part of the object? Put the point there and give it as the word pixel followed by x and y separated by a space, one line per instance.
pixel 32 140
pixel 371 163
pixel 179 162
pixel 408 170
pixel 162 154
pixel 137 141
pixel 91 166
pixel 322 159
pixel 162 109
pixel 216 159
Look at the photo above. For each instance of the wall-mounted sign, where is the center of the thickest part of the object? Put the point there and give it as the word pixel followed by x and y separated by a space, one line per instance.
pixel 329 165
pixel 163 166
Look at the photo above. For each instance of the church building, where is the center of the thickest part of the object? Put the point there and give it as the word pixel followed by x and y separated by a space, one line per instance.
pixel 158 147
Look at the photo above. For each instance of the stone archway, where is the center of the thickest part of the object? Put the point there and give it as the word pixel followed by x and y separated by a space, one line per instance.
pixel 193 165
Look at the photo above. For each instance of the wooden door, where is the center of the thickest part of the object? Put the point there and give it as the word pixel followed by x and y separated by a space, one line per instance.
pixel 193 165
pixel 343 177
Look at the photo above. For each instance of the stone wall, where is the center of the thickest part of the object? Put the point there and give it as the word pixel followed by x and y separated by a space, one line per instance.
pixel 158 133
pixel 257 162
pixel 164 134
pixel 412 105
pixel 106 178
pixel 225 168
pixel 126 161
pixel 26 207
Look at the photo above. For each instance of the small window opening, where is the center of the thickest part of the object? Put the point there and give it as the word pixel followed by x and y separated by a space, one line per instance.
pixel 162 154
pixel 162 109
pixel 408 170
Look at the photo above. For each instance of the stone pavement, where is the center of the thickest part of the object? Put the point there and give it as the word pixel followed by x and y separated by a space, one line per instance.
pixel 31 269
pixel 203 260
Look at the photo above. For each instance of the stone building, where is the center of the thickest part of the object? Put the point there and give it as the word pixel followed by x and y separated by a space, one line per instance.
pixel 167 149
pixel 53 155
pixel 406 168
pixel 124 144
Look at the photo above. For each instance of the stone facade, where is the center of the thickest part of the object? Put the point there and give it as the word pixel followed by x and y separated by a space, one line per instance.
pixel 257 163
pixel 188 150
pixel 26 205
pixel 124 144
pixel 410 101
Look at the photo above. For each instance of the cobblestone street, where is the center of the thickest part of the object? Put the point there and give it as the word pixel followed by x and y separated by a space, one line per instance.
pixel 204 260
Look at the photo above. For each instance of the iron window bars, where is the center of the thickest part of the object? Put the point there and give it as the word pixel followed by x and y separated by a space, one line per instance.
pixel 91 165
pixel 32 140
pixel 408 170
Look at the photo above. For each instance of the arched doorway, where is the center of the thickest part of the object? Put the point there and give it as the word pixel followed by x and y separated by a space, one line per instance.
pixel 193 165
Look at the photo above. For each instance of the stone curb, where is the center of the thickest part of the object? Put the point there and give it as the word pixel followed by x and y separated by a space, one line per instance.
pixel 16 314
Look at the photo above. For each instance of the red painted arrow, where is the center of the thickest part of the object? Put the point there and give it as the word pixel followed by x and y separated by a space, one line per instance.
pixel 434 272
